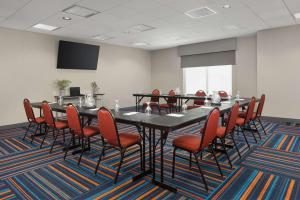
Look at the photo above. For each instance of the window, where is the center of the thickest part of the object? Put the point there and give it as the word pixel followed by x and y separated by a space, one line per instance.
pixel 209 79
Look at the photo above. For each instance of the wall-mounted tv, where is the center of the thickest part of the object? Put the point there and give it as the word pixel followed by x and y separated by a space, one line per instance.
pixel 72 55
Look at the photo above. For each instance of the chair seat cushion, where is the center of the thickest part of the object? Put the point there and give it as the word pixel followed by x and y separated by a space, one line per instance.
pixel 190 143
pixel 61 124
pixel 166 105
pixel 193 106
pixel 240 121
pixel 40 120
pixel 90 131
pixel 221 131
pixel 243 115
pixel 129 139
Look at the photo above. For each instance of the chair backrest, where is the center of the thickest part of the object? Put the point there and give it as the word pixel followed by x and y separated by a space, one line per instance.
pixel 223 94
pixel 172 100
pixel 233 115
pixel 250 110
pixel 155 93
pixel 260 105
pixel 28 110
pixel 199 93
pixel 108 127
pixel 210 128
pixel 74 120
pixel 48 115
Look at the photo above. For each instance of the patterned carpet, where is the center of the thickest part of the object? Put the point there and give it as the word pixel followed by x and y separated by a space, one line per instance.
pixel 269 170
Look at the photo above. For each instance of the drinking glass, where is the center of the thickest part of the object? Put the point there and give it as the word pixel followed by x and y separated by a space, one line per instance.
pixel 148 109
pixel 117 106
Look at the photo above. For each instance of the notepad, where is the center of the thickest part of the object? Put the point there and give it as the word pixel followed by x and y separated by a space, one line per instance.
pixel 239 99
pixel 175 115
pixel 226 102
pixel 131 113
pixel 94 109
pixel 207 107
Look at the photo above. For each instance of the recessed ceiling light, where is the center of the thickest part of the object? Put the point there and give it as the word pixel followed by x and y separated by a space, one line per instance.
pixel 297 15
pixel 80 11
pixel 139 44
pixel 200 12
pixel 139 28
pixel 226 6
pixel 102 37
pixel 66 18
pixel 45 27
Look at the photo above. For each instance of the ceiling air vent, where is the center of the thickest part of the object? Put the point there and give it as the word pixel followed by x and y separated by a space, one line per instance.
pixel 200 12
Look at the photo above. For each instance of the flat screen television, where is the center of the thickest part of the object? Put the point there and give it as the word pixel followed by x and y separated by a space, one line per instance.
pixel 72 55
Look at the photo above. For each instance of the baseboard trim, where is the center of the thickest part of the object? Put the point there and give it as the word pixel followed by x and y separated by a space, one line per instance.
pixel 18 125
pixel 281 120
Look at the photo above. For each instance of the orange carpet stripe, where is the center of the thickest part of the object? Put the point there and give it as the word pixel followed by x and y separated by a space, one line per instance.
pixel 14 139
pixel 12 144
pixel 265 188
pixel 99 171
pixel 147 193
pixel 71 179
pixel 2 193
pixel 19 188
pixel 128 189
pixel 282 142
pixel 113 190
pixel 95 163
pixel 9 196
pixel 290 143
pixel 81 176
pixel 227 184
pixel 290 190
pixel 252 185
pixel 160 194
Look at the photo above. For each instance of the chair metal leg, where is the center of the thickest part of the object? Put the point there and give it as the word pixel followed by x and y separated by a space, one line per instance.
pixel 173 163
pixel 256 129
pixel 213 153
pixel 27 130
pixel 225 151
pixel 119 167
pixel 99 160
pixel 245 137
pixel 237 149
pixel 32 136
pixel 46 132
pixel 190 160
pixel 82 150
pixel 252 132
pixel 64 137
pixel 68 147
pixel 57 133
pixel 263 128
pixel 202 175
pixel 141 155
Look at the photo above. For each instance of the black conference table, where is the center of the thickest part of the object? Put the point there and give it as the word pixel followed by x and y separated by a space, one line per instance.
pixel 157 125
pixel 180 98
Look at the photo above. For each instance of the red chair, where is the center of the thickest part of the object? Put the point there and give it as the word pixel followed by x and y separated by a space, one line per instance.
pixel 53 124
pixel 228 130
pixel 195 144
pixel 171 102
pixel 223 94
pixel 114 139
pixel 244 123
pixel 84 134
pixel 154 101
pixel 256 115
pixel 38 121
pixel 198 103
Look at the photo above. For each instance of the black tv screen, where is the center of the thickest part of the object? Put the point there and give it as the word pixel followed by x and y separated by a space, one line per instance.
pixel 72 55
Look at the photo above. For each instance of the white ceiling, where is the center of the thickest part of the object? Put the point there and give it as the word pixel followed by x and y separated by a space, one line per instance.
pixel 172 26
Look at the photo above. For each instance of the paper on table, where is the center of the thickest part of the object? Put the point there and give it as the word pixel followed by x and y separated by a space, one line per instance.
pixel 207 107
pixel 94 109
pixel 175 115
pixel 131 113
pixel 239 99
pixel 52 103
pixel 226 102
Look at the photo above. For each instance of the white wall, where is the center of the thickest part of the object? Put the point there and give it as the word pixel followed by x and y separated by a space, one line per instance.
pixel 28 69
pixel 278 69
pixel 167 74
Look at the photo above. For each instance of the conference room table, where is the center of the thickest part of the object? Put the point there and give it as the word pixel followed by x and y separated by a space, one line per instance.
pixel 180 98
pixel 158 126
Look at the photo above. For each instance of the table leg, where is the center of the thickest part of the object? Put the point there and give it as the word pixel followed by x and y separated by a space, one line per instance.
pixel 161 157
pixel 153 147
